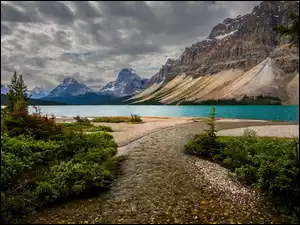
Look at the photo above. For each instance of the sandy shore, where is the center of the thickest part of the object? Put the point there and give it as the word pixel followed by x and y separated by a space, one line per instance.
pixel 289 131
pixel 125 133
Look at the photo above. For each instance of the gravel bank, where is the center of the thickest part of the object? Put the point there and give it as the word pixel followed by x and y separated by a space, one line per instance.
pixel 289 131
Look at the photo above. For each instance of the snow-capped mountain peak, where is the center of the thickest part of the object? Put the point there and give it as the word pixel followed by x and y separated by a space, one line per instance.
pixel 126 84
pixel 70 87
pixel 69 80
pixel 38 92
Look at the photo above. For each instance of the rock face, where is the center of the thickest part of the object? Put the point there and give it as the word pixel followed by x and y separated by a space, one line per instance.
pixel 239 43
pixel 69 87
pixel 162 74
pixel 127 84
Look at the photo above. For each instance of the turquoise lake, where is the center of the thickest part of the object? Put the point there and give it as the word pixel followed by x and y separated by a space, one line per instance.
pixel 267 112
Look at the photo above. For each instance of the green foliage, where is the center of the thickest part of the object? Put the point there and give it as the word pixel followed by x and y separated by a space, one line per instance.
pixel 43 162
pixel 132 119
pixel 206 144
pixel 38 126
pixel 270 165
pixel 82 119
pixel 85 127
pixel 246 100
pixel 16 98
pixel 291 31
pixel 135 118
pixel 111 119
pixel 47 171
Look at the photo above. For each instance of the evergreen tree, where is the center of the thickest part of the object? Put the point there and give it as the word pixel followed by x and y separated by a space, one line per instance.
pixel 291 31
pixel 211 122
pixel 16 98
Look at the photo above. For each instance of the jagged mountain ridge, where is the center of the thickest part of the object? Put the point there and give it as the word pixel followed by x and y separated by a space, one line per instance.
pixel 38 93
pixel 70 87
pixel 126 84
pixel 236 45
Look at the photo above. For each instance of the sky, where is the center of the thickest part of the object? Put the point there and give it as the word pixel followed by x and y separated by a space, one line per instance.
pixel 47 41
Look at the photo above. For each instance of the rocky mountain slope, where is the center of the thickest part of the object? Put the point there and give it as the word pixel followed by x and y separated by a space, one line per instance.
pixel 38 92
pixel 70 87
pixel 241 56
pixel 126 84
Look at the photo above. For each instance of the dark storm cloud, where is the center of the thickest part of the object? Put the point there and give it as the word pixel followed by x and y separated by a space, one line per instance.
pixel 11 14
pixel 93 41
pixel 135 49
pixel 56 11
pixel 86 10
pixel 138 10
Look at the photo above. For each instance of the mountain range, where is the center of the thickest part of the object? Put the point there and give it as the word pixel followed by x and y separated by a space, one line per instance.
pixel 70 91
pixel 241 56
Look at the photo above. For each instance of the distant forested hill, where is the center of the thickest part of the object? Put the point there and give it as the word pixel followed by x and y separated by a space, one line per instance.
pixel 33 101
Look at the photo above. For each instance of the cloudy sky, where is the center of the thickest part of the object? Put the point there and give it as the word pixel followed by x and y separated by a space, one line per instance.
pixel 91 41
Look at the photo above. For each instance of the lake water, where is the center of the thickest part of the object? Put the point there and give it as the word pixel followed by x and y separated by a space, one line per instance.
pixel 268 112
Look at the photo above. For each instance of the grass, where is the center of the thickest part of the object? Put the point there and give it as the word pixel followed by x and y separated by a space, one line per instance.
pixel 86 127
pixel 133 119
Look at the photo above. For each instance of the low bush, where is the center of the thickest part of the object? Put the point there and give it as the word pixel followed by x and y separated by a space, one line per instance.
pixel 110 119
pixel 135 118
pixel 82 119
pixel 85 127
pixel 270 165
pixel 37 126
pixel 132 119
pixel 35 173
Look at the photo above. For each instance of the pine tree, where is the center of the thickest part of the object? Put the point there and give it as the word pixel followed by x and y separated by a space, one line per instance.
pixel 291 31
pixel 211 122
pixel 16 98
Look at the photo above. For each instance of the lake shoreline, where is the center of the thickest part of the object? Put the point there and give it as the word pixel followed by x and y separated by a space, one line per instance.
pixel 125 133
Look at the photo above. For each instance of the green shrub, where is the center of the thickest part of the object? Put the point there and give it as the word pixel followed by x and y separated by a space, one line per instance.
pixel 270 165
pixel 43 162
pixel 38 126
pixel 111 120
pixel 135 118
pixel 86 127
pixel 203 145
pixel 35 173
pixel 206 144
pixel 81 119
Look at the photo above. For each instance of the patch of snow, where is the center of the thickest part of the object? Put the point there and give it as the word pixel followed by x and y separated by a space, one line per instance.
pixel 225 35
